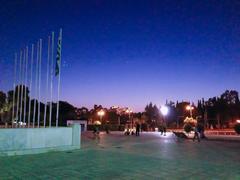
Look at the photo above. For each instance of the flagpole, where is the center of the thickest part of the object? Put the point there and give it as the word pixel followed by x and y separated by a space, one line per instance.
pixel 30 87
pixel 36 90
pixel 39 82
pixel 59 75
pixel 51 82
pixel 25 92
pixel 48 57
pixel 14 88
pixel 22 81
pixel 18 87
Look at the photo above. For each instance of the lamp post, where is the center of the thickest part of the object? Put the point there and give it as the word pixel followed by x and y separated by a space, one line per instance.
pixel 101 113
pixel 129 111
pixel 164 110
pixel 190 108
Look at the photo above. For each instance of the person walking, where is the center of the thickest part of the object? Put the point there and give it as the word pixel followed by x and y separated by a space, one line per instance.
pixel 201 131
pixel 164 128
pixel 96 132
pixel 160 129
pixel 196 133
pixel 107 128
pixel 137 129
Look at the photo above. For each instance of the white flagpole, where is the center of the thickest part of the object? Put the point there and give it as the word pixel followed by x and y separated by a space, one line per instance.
pixel 48 57
pixel 25 92
pixel 51 82
pixel 30 87
pixel 39 82
pixel 14 88
pixel 22 81
pixel 59 76
pixel 36 90
pixel 18 87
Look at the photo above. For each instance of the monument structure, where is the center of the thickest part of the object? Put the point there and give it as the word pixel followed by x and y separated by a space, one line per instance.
pixel 34 116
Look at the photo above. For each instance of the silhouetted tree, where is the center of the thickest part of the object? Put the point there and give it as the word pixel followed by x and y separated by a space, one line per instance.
pixel 2 99
pixel 66 112
pixel 152 114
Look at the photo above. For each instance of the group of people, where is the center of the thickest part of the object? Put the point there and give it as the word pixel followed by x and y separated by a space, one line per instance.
pixel 130 131
pixel 198 131
pixel 163 129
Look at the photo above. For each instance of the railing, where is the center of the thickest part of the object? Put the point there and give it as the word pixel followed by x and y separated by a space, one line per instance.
pixel 223 132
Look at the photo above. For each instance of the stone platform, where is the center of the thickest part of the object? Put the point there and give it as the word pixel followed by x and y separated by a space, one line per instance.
pixel 19 141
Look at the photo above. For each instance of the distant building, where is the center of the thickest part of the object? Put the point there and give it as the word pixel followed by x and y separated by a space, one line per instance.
pixel 83 124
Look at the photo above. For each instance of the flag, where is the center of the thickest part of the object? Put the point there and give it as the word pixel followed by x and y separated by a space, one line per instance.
pixel 58 58
pixel 58 71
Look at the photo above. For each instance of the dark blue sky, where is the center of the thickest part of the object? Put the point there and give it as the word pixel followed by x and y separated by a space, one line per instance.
pixel 130 52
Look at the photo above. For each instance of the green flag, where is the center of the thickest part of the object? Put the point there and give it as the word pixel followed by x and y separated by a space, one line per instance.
pixel 58 58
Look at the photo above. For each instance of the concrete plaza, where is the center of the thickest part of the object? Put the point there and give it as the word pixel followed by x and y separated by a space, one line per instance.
pixel 115 156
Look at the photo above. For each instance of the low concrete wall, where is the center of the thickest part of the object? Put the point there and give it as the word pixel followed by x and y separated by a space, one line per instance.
pixel 38 140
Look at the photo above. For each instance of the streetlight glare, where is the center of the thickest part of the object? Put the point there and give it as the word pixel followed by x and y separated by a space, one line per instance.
pixel 101 113
pixel 189 107
pixel 164 110
pixel 129 111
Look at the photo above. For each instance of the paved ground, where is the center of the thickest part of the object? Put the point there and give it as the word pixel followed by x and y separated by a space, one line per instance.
pixel 116 156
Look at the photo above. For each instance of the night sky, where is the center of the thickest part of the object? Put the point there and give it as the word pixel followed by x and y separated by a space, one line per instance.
pixel 130 52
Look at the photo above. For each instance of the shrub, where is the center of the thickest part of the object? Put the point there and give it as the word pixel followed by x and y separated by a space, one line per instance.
pixel 190 121
pixel 187 128
pixel 237 128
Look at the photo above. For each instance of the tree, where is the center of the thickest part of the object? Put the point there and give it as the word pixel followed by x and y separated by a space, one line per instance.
pixel 82 113
pixel 113 117
pixel 93 116
pixel 2 99
pixel 172 116
pixel 66 112
pixel 230 97
pixel 224 109
pixel 181 112
pixel 4 108
pixel 152 115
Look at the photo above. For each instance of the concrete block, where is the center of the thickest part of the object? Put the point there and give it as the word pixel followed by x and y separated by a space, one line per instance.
pixel 38 140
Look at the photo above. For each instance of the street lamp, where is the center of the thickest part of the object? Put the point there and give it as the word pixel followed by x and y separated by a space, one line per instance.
pixel 164 110
pixel 190 108
pixel 129 111
pixel 101 113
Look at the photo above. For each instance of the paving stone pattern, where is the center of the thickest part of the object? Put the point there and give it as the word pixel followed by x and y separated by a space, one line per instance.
pixel 115 156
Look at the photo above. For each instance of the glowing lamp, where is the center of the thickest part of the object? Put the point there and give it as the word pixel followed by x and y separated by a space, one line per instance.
pixel 101 113
pixel 128 111
pixel 189 108
pixel 164 110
